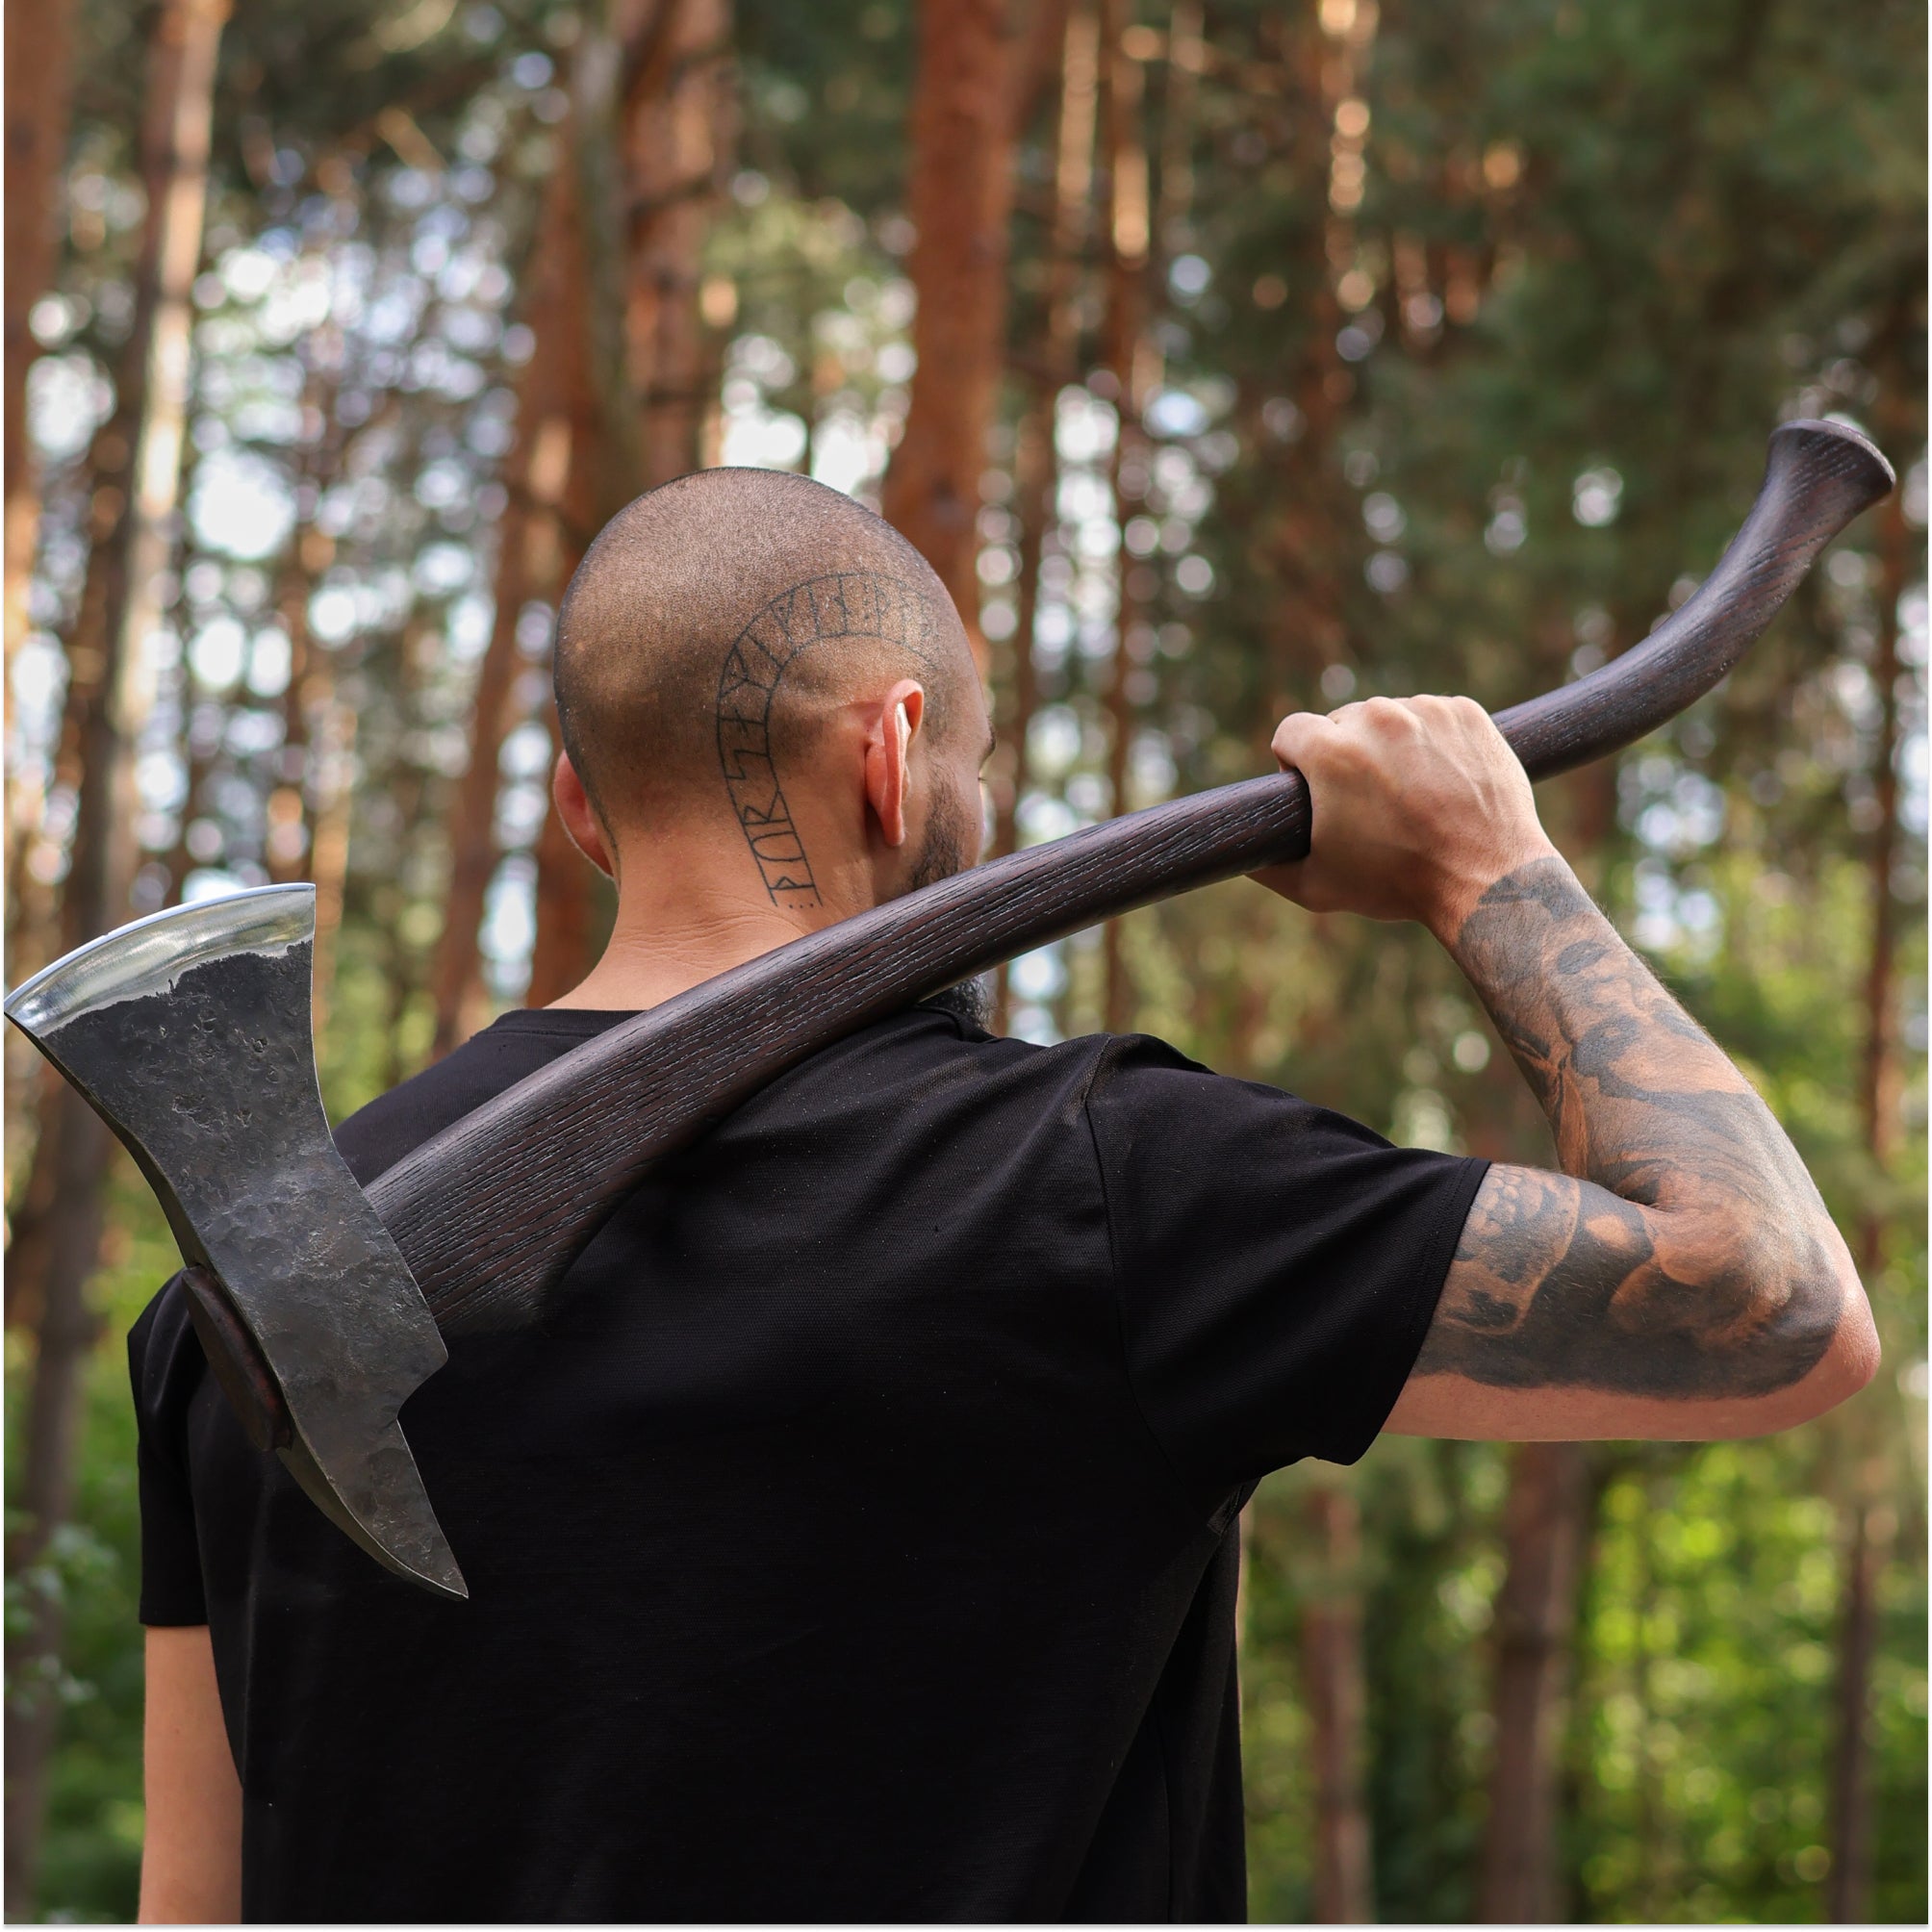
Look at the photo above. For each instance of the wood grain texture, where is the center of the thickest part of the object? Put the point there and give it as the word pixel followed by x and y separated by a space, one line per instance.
pixel 491 1211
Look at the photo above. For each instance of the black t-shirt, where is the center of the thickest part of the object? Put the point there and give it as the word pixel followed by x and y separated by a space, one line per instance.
pixel 852 1542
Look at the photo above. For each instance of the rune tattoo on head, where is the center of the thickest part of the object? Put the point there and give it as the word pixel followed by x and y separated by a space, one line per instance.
pixel 844 604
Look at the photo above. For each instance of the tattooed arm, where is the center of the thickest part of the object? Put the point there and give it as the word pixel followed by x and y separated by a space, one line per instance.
pixel 1680 1278
pixel 1681 1275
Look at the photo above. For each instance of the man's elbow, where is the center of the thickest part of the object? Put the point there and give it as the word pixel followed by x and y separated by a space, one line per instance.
pixel 1851 1360
pixel 1825 1331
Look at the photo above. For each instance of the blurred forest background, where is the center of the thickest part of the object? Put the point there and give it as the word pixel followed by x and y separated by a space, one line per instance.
pixel 1227 358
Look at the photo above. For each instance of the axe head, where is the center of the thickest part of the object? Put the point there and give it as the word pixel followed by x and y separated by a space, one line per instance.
pixel 188 1033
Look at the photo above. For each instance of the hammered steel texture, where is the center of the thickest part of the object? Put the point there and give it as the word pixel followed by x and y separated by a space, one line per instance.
pixel 202 1064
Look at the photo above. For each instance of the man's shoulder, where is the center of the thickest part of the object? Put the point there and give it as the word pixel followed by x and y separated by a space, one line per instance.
pixel 165 1358
pixel 939 1047
pixel 933 1058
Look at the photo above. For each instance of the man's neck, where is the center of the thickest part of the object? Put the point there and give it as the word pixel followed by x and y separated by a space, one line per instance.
pixel 688 910
pixel 659 950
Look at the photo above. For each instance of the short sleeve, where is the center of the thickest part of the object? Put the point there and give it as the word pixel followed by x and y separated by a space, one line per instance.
pixel 166 1363
pixel 1277 1264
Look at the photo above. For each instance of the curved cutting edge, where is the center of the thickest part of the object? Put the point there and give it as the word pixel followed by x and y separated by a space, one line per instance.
pixel 376 1498
pixel 148 956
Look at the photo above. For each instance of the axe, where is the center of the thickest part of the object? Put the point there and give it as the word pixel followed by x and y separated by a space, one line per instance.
pixel 322 1306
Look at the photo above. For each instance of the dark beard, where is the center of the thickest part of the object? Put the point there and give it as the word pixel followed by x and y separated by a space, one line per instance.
pixel 943 854
pixel 971 1000
pixel 943 851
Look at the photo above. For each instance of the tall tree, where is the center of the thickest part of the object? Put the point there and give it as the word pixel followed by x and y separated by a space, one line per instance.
pixel 1128 359
pixel 1536 1623
pixel 529 559
pixel 331 794
pixel 1326 67
pixel 1335 1686
pixel 37 57
pixel 1044 366
pixel 1849 1890
pixel 643 232
pixel 677 140
pixel 961 197
pixel 133 501
pixel 1047 367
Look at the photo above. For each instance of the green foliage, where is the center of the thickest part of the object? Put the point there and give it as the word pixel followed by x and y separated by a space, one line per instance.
pixel 1713 1618
pixel 1648 231
pixel 91 1857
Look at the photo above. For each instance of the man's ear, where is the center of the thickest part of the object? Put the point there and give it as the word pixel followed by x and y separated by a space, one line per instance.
pixel 581 820
pixel 888 753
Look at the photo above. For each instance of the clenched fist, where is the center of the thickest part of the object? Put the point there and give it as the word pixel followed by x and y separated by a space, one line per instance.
pixel 1418 807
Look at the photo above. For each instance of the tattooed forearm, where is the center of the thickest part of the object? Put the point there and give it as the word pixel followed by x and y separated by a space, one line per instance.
pixel 1684 1251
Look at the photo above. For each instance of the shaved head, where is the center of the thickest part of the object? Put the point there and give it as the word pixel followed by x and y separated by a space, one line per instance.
pixel 712 629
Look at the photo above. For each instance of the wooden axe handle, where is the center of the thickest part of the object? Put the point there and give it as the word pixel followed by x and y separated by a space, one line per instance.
pixel 491 1211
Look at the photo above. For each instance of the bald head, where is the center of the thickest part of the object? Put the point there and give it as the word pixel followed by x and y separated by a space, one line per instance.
pixel 718 620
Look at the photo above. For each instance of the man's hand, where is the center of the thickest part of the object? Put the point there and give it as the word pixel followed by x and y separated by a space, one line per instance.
pixel 1419 806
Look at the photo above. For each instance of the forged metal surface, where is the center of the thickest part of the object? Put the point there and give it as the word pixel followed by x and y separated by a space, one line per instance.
pixel 494 1210
pixel 202 1066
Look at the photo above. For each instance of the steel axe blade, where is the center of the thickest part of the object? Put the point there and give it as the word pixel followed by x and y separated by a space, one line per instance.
pixel 188 1033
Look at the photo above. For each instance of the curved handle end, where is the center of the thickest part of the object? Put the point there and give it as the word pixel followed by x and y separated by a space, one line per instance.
pixel 1817 477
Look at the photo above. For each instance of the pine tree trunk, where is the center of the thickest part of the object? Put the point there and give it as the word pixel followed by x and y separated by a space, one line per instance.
pixel 1036 459
pixel 672 132
pixel 1848 1891
pixel 1123 143
pixel 38 66
pixel 676 139
pixel 87 755
pixel 332 794
pixel 528 559
pixel 405 964
pixel 131 527
pixel 456 979
pixel 960 195
pixel 1544 1529
pixel 1311 534
pixel 567 882
pixel 1335 1684
pixel 1034 472
pixel 1878 1097
pixel 38 69
pixel 291 838
pixel 1849 1888
pixel 293 805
